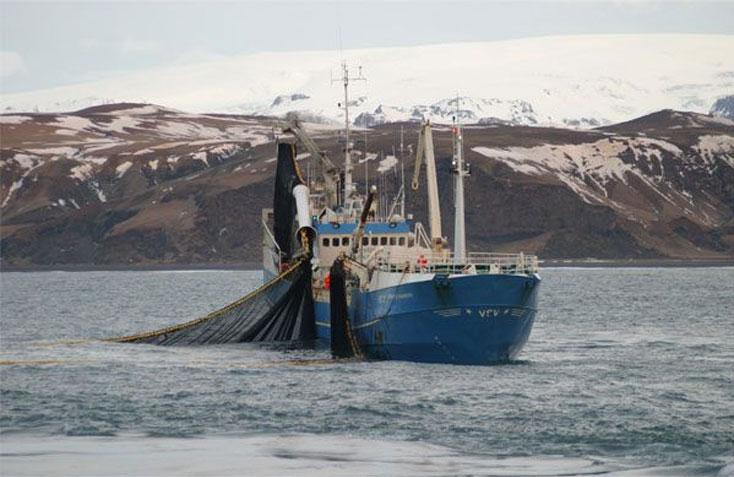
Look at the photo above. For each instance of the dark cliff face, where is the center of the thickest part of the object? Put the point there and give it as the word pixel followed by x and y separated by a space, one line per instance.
pixel 129 183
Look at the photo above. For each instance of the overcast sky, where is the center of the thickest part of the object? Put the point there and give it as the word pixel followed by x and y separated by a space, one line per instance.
pixel 45 44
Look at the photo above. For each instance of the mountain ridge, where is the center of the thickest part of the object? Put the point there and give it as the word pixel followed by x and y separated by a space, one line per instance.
pixel 144 184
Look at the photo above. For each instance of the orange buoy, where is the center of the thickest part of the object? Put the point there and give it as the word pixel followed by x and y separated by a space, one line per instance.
pixel 327 281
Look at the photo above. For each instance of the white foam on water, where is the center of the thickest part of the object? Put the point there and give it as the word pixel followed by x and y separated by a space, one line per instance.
pixel 276 455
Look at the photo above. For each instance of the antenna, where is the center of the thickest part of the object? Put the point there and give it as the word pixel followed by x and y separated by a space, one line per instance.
pixel 366 164
pixel 341 50
pixel 345 79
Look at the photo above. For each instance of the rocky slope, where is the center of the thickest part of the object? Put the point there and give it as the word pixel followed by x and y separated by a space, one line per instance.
pixel 723 107
pixel 138 183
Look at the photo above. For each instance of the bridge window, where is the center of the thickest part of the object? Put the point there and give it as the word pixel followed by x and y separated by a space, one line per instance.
pixel 345 240
pixel 365 241
pixel 335 241
pixel 383 240
pixel 401 241
pixel 393 240
pixel 325 242
pixel 374 240
pixel 411 241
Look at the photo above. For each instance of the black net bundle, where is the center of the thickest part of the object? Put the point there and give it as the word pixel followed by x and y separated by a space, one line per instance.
pixel 343 340
pixel 287 176
pixel 281 310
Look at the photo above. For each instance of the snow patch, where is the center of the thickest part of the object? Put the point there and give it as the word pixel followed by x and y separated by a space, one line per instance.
pixel 66 132
pixel 26 161
pixel 98 190
pixel 225 151
pixel 120 124
pixel 716 146
pixel 184 129
pixel 59 151
pixel 13 187
pixel 14 119
pixel 94 160
pixel 82 172
pixel 200 156
pixel 122 168
pixel 74 122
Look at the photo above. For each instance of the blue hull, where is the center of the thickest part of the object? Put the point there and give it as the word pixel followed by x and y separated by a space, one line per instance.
pixel 476 319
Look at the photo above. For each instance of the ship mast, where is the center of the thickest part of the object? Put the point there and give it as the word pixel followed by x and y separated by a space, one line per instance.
pixel 402 175
pixel 459 169
pixel 348 182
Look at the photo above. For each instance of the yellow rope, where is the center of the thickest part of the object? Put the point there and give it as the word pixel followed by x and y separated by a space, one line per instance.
pixel 295 163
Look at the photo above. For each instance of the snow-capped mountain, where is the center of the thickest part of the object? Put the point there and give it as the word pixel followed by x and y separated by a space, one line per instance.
pixel 578 81
pixel 463 109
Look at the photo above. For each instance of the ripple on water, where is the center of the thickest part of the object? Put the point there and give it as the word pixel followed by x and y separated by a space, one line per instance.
pixel 620 374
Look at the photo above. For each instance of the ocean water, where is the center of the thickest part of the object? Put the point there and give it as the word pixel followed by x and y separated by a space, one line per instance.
pixel 627 372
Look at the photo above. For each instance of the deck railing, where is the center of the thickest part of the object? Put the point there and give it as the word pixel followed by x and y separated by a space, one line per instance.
pixel 475 262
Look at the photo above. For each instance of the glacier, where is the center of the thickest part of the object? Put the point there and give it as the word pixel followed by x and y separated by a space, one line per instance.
pixel 576 81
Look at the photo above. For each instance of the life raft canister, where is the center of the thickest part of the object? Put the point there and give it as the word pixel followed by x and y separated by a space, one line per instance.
pixel 422 261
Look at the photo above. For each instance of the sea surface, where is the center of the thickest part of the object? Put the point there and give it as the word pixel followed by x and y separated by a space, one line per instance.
pixel 629 371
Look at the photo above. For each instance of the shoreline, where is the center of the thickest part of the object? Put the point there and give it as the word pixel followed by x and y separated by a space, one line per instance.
pixel 142 267
pixel 255 266
pixel 637 263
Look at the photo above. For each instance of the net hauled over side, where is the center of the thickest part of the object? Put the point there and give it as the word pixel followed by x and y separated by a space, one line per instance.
pixel 280 310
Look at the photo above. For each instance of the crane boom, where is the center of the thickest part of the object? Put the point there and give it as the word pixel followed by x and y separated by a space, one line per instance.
pixel 330 172
pixel 425 152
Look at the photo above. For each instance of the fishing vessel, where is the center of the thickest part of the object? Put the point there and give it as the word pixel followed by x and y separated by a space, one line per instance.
pixel 384 286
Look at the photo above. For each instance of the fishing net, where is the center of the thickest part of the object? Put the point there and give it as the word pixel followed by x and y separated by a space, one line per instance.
pixel 280 310
pixel 344 343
